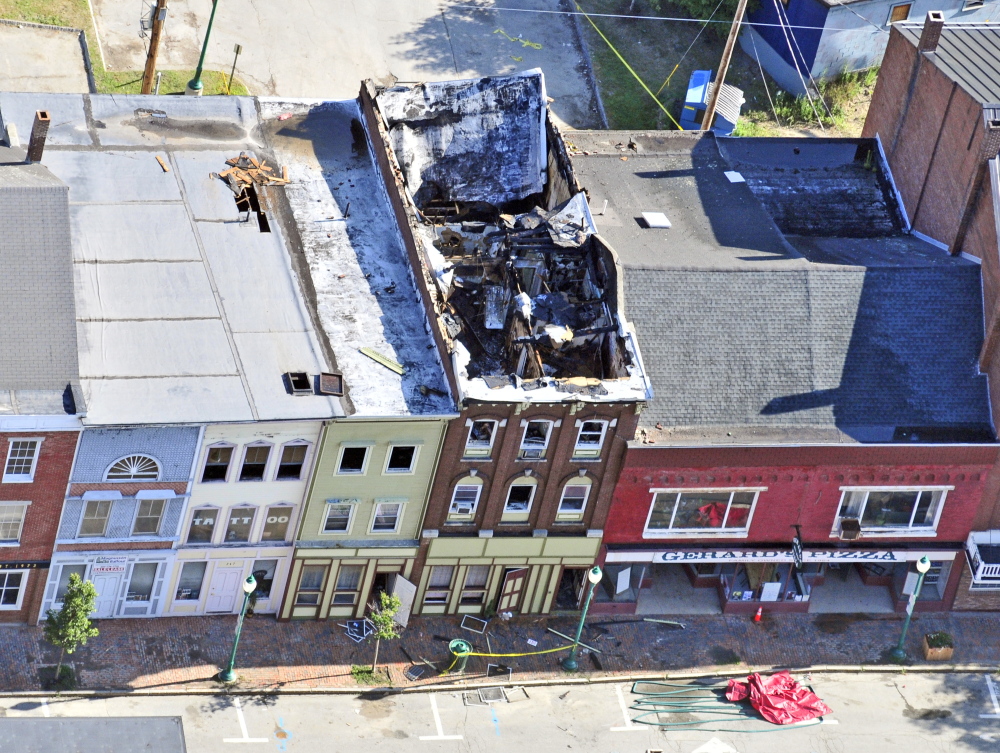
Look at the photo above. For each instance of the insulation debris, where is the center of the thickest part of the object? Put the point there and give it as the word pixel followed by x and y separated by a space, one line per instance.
pixel 245 171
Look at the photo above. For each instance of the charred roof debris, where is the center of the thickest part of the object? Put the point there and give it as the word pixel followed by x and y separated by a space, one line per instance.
pixel 526 292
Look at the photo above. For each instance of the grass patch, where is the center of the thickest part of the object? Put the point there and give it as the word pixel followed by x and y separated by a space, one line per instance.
pixel 49 681
pixel 173 82
pixel 72 13
pixel 365 675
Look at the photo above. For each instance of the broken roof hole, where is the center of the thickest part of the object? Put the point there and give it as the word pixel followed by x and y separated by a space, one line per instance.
pixel 248 201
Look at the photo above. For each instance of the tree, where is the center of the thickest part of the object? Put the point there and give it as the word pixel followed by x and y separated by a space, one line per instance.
pixel 70 627
pixel 383 618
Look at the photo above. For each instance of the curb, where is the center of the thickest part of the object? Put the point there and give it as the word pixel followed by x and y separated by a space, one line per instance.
pixel 554 681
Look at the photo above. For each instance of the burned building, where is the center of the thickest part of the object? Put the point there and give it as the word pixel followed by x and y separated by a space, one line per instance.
pixel 525 306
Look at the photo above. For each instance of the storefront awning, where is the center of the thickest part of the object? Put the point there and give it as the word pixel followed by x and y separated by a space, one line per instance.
pixel 780 555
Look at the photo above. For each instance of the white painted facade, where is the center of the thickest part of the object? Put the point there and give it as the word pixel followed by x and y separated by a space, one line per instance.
pixel 246 499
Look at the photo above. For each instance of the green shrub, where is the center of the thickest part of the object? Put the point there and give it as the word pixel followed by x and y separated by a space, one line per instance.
pixel 940 639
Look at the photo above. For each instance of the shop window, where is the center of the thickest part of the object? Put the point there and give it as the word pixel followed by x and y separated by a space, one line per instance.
pixel 95 517
pixel 517 508
pixel 189 584
pixel 310 585
pixel 474 591
pixel 899 13
pixel 216 464
pixel 133 468
pixel 148 517
pixel 353 460
pixel 439 585
pixel 465 500
pixel 240 523
pixel 590 440
pixel 620 583
pixel 680 512
pixel 338 516
pixel 386 518
pixel 895 510
pixel 480 441
pixel 276 523
pixel 11 582
pixel 573 501
pixel 202 526
pixel 348 584
pixel 68 570
pixel 11 522
pixel 401 459
pixel 22 455
pixel 254 462
pixel 535 440
pixel 140 585
pixel 263 573
pixel 293 458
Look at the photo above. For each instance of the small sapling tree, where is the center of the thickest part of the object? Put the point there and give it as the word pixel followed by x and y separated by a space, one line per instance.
pixel 69 627
pixel 383 617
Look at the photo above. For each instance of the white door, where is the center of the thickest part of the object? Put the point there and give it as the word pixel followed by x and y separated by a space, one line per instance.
pixel 106 586
pixel 223 590
pixel 406 592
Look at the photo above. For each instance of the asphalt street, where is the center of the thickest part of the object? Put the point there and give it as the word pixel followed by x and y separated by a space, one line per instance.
pixel 908 713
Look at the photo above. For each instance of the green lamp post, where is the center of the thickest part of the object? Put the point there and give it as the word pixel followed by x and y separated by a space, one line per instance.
pixel 898 654
pixel 195 86
pixel 228 675
pixel 570 664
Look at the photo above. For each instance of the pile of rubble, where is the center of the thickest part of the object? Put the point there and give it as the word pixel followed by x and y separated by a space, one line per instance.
pixel 247 171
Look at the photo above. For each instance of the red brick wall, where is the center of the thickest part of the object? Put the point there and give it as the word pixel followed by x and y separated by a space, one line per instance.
pixel 803 486
pixel 890 95
pixel 113 547
pixel 128 489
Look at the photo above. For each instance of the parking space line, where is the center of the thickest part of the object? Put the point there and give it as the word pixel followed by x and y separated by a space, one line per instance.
pixel 993 697
pixel 45 708
pixel 437 723
pixel 629 726
pixel 243 728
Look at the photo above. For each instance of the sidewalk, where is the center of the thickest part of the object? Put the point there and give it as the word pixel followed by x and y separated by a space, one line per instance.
pixel 184 653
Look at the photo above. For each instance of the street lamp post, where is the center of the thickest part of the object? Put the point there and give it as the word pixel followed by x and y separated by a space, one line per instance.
pixel 898 654
pixel 195 86
pixel 569 663
pixel 228 675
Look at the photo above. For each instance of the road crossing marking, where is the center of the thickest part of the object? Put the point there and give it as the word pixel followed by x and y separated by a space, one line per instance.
pixel 993 697
pixel 629 726
pixel 243 728
pixel 437 724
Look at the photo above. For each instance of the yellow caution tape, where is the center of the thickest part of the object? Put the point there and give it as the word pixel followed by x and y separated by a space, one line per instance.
pixel 524 42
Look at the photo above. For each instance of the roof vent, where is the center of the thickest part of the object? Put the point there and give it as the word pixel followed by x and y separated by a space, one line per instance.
pixel 850 529
pixel 299 383
pixel 655 219
pixel 331 383
pixel 929 37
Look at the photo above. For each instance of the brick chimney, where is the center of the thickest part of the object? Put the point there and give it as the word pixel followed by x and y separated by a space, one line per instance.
pixel 39 130
pixel 929 37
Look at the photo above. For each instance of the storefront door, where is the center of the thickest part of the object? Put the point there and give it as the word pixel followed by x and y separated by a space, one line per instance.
pixel 225 586
pixel 106 585
pixel 513 585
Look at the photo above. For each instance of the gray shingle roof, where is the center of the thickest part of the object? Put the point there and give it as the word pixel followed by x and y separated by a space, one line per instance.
pixel 969 54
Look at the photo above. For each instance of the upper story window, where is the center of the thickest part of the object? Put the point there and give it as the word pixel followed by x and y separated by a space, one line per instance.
pixel 574 500
pixel 338 516
pixel 293 459
pixel 353 460
pixel 465 499
pixel 535 440
pixel 148 517
pixel 520 495
pixel 387 516
pixel 95 517
pixel 22 456
pixel 710 511
pixel 479 443
pixel 255 462
pixel 203 522
pixel 590 439
pixel 133 468
pixel 276 523
pixel 401 459
pixel 11 521
pixel 240 524
pixel 892 510
pixel 217 462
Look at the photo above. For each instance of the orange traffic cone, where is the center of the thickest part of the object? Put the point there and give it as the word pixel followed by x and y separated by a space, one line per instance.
pixel 760 613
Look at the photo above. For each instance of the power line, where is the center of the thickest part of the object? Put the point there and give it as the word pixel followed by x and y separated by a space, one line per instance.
pixel 641 18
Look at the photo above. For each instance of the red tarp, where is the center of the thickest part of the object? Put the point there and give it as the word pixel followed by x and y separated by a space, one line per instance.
pixel 779 698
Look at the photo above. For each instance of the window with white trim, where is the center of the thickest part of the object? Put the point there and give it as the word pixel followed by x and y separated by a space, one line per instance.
pixel 240 524
pixel 353 460
pixel 63 585
pixel 190 581
pixel 901 510
pixel 95 517
pixel 401 459
pixel 217 461
pixel 255 458
pixel 133 468
pixel 292 461
pixel 11 521
pixel 520 495
pixel 535 440
pixel 338 516
pixel 474 590
pixel 22 456
pixel 465 499
pixel 899 13
pixel 12 588
pixel 439 585
pixel 148 517
pixel 590 439
pixel 276 523
pixel 203 522
pixel 690 511
pixel 573 501
pixel 386 517
pixel 479 443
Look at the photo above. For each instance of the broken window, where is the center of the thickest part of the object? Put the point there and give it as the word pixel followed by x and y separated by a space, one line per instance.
pixel 353 460
pixel 401 459
pixel 535 440
pixel 480 441
pixel 518 505
pixel 293 457
pixel 216 464
pixel 590 439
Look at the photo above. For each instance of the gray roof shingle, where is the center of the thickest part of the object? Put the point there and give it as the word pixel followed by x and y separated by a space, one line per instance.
pixel 968 54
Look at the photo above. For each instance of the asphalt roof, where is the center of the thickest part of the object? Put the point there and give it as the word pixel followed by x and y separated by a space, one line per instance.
pixel 968 53
pixel 751 336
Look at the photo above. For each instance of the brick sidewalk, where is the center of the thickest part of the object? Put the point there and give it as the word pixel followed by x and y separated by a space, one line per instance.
pixel 184 652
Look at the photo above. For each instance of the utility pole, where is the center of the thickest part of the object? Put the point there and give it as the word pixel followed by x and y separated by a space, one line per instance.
pixel 159 16
pixel 720 79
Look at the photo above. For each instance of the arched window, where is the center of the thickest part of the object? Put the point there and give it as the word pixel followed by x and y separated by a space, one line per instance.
pixel 573 501
pixel 465 499
pixel 133 468
pixel 520 495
